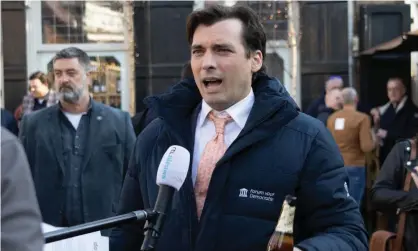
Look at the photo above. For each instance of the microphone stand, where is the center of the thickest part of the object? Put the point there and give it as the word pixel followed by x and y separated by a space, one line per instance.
pixel 154 226
pixel 151 232
pixel 98 225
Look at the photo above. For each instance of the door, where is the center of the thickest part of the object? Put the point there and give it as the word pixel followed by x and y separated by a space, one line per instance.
pixel 161 45
pixel 14 53
pixel 324 46
pixel 379 24
pixel 109 77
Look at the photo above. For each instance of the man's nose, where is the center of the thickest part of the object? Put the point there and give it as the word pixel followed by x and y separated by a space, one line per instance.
pixel 62 79
pixel 209 61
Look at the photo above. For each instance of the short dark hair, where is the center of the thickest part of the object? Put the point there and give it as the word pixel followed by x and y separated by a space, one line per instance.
pixel 254 36
pixel 187 72
pixel 39 75
pixel 74 52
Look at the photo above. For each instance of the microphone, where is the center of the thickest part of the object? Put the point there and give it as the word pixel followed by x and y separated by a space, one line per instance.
pixel 171 175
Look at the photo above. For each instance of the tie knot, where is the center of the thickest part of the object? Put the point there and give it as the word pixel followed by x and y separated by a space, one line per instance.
pixel 219 122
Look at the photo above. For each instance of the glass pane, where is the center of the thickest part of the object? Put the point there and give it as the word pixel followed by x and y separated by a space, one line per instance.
pixel 273 16
pixel 106 81
pixel 82 22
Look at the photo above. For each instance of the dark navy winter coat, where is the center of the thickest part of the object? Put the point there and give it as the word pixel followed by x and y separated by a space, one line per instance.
pixel 280 151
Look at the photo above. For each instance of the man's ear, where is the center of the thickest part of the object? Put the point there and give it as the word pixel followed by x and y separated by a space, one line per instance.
pixel 256 61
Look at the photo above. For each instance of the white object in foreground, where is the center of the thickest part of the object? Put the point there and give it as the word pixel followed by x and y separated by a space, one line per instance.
pixel 87 242
pixel 173 167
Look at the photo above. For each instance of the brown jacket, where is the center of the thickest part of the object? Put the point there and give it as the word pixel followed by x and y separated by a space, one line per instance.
pixel 352 132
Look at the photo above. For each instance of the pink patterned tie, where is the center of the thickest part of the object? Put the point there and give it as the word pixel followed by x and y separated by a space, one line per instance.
pixel 214 150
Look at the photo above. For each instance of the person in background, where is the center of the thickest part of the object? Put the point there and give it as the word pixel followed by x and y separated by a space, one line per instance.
pixel 244 133
pixel 78 149
pixel 40 95
pixel 20 216
pixel 334 82
pixel 333 102
pixel 353 133
pixel 397 119
pixel 18 114
pixel 388 195
pixel 9 122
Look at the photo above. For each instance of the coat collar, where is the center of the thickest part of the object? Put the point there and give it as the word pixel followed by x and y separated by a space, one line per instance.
pixel 239 111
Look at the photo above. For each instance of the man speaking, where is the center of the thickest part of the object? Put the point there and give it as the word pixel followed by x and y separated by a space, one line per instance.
pixel 250 148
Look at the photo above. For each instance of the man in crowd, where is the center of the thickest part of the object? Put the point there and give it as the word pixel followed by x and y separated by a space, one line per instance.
pixel 79 157
pixel 333 102
pixel 389 197
pixel 352 132
pixel 334 82
pixel 40 95
pixel 235 117
pixel 397 119
pixel 20 216
pixel 9 122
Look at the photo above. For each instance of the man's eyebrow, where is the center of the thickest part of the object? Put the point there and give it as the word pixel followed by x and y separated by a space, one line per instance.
pixel 220 45
pixel 196 46
pixel 223 45
pixel 69 69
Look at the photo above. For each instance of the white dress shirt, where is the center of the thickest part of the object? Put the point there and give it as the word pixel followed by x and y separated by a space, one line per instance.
pixel 205 128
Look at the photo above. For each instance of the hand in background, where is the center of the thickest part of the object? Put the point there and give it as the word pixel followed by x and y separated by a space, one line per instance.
pixel 376 116
pixel 381 133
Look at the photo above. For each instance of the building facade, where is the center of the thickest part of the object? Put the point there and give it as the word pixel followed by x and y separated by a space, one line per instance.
pixel 44 27
pixel 97 27
pixel 14 76
pixel 132 63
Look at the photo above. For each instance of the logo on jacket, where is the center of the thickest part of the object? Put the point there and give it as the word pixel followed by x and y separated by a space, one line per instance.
pixel 243 192
pixel 256 194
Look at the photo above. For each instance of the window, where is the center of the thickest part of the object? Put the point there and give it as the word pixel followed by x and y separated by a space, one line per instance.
pixel 65 22
pixel 106 77
pixel 273 16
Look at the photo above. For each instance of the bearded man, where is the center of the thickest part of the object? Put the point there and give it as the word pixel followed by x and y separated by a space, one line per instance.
pixel 78 149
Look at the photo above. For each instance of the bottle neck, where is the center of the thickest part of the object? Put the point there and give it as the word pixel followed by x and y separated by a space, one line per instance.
pixel 285 223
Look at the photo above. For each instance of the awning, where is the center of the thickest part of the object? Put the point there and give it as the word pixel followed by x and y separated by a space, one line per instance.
pixel 406 43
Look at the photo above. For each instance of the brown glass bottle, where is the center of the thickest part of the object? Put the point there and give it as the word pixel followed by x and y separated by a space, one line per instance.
pixel 282 238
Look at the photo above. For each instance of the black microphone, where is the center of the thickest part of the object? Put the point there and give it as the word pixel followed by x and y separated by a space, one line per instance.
pixel 98 225
pixel 171 175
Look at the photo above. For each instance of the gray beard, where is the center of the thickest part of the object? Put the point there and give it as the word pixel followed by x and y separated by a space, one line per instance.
pixel 71 97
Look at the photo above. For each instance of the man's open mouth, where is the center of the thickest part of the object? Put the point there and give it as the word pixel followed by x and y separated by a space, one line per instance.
pixel 212 81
